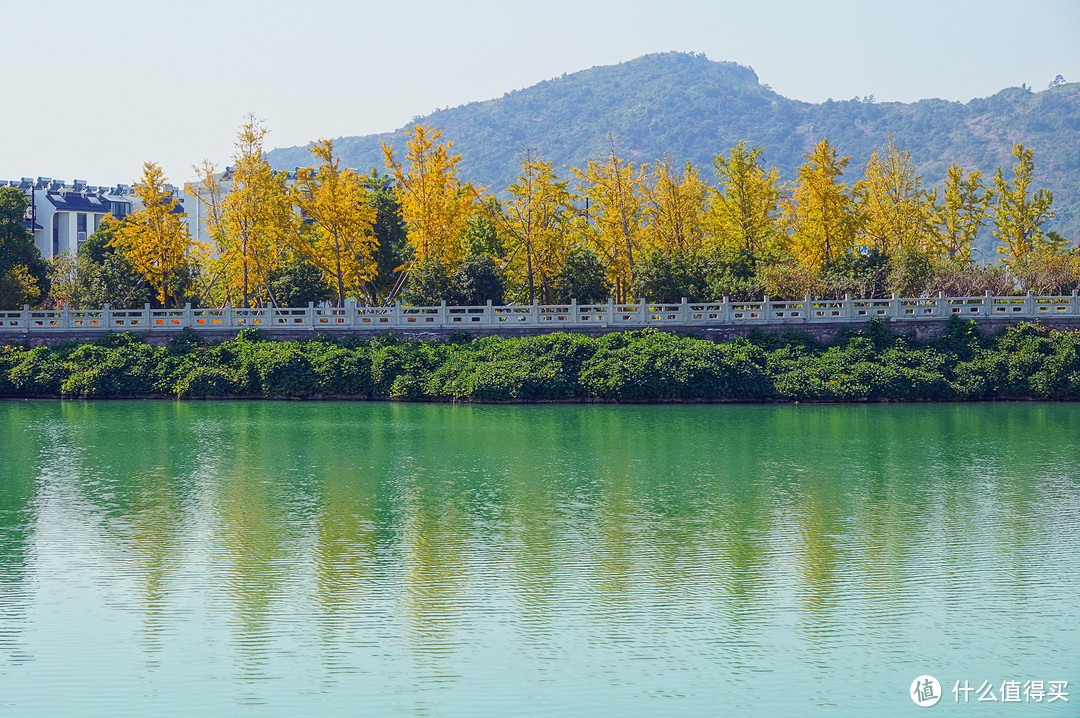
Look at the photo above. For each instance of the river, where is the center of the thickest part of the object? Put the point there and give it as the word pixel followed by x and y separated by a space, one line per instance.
pixel 295 558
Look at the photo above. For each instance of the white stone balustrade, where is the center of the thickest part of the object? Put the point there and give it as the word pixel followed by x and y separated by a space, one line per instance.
pixel 549 317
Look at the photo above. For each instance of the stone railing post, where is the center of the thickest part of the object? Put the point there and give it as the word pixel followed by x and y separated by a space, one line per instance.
pixel 228 319
pixel 846 312
pixel 807 308
pixel 610 312
pixel 24 317
pixel 988 301
pixel 146 320
pixel 489 314
pixel 309 316
pixel 444 316
pixel 106 316
pixel 642 315
pixel 573 311
pixel 1029 305
pixel 395 316
pixel 1075 302
pixel 186 320
pixel 684 311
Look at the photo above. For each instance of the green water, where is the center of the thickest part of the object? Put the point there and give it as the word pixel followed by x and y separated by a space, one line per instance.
pixel 293 559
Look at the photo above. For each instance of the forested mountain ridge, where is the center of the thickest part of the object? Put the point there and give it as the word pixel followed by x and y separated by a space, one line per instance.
pixel 691 108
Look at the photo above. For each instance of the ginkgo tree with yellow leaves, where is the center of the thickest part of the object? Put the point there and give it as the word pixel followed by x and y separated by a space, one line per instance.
pixel 537 219
pixel 961 213
pixel 895 212
pixel 250 216
pixel 1020 213
pixel 613 226
pixel 341 242
pixel 155 238
pixel 821 213
pixel 673 208
pixel 743 211
pixel 435 203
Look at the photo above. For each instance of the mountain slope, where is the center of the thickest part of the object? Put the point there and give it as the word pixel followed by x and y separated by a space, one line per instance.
pixel 690 108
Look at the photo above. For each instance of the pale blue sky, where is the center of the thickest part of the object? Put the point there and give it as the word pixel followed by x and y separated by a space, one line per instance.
pixel 92 90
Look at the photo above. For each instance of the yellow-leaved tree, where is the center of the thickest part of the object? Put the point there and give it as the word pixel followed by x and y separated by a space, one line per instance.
pixel 821 214
pixel 613 187
pixel 962 212
pixel 435 203
pixel 895 208
pixel 155 239
pixel 1020 214
pixel 537 218
pixel 673 208
pixel 744 210
pixel 342 242
pixel 248 212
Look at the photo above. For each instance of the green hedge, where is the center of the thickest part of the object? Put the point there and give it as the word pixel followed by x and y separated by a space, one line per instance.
pixel 1026 361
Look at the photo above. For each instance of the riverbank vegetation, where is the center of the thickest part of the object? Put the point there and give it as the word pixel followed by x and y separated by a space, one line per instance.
pixel 1027 361
pixel 616 228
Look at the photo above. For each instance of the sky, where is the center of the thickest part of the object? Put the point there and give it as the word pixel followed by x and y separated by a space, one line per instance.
pixel 93 91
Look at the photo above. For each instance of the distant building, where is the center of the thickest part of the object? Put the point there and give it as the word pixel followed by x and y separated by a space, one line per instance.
pixel 62 215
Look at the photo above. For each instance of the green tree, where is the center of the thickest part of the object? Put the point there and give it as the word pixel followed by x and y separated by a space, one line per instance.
pixel 1020 214
pixel 109 278
pixel 428 283
pixel 583 278
pixel 666 276
pixel 24 273
pixel 391 250
pixel 295 282
pixel 476 281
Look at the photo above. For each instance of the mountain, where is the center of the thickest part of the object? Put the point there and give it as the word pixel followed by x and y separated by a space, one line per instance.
pixel 690 108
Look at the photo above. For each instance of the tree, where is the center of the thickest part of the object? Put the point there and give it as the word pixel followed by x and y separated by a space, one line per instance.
pixel 614 186
pixel 342 242
pixel 582 277
pixel 821 212
pixel 1019 215
pixel 743 210
pixel 108 277
pixel 435 204
pixel 892 201
pixel 295 282
pixel 428 283
pixel 476 281
pixel 154 239
pixel 391 239
pixel 674 205
pixel 24 273
pixel 249 214
pixel 537 218
pixel 668 275
pixel 962 213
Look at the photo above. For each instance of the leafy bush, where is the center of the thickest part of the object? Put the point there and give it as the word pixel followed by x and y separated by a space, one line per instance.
pixel 1025 361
